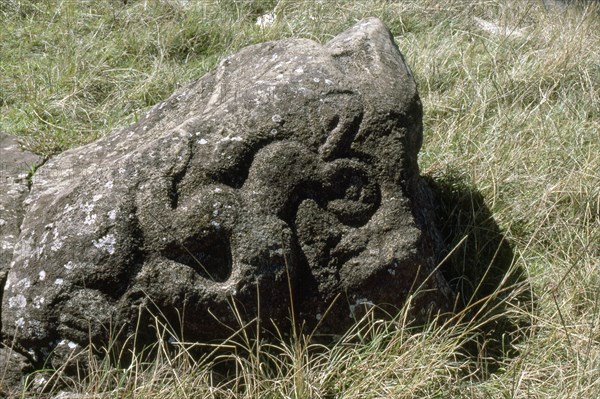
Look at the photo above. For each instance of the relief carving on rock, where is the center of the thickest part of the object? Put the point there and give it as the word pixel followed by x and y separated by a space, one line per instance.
pixel 285 173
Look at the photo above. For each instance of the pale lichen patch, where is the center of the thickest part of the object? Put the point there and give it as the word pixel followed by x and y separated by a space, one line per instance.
pixel 17 301
pixel 38 301
pixel 232 138
pixel 70 344
pixel 87 207
pixel 22 284
pixel 56 244
pixel 106 243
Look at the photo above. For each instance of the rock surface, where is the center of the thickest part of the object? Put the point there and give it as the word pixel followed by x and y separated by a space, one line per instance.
pixel 15 168
pixel 290 170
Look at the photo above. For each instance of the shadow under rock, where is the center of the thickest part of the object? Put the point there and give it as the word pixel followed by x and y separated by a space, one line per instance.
pixel 479 263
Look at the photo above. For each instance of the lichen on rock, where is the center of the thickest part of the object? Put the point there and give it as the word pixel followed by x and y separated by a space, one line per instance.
pixel 290 165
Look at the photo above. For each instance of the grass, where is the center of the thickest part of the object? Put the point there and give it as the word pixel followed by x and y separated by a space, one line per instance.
pixel 512 142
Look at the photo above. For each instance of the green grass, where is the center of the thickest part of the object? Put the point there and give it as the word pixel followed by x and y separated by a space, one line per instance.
pixel 511 138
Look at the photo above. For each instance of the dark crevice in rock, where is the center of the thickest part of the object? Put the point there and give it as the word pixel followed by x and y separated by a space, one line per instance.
pixel 174 190
pixel 308 190
pixel 348 192
pixel 209 256
pixel 331 125
pixel 178 176
pixel 32 169
pixel 341 91
pixel 3 277
pixel 305 284
pixel 340 139
pixel 8 344
pixel 353 196
pixel 137 256
pixel 236 175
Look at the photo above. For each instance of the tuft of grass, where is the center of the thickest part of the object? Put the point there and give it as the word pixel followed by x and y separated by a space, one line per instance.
pixel 71 71
pixel 376 358
pixel 512 118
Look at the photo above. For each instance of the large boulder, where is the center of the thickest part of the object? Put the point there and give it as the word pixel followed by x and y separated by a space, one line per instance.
pixel 288 173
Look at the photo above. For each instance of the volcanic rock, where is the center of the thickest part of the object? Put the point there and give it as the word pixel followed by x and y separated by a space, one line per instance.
pixel 286 178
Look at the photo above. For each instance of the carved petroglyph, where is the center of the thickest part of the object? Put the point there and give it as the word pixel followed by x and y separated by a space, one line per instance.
pixel 290 163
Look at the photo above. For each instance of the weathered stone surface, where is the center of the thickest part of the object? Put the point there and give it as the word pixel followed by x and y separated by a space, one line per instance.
pixel 15 168
pixel 290 167
pixel 18 365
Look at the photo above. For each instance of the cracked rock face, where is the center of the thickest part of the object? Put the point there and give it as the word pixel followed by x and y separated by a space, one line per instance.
pixel 289 171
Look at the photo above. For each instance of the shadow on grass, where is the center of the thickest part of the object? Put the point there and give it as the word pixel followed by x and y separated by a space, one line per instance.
pixel 493 295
